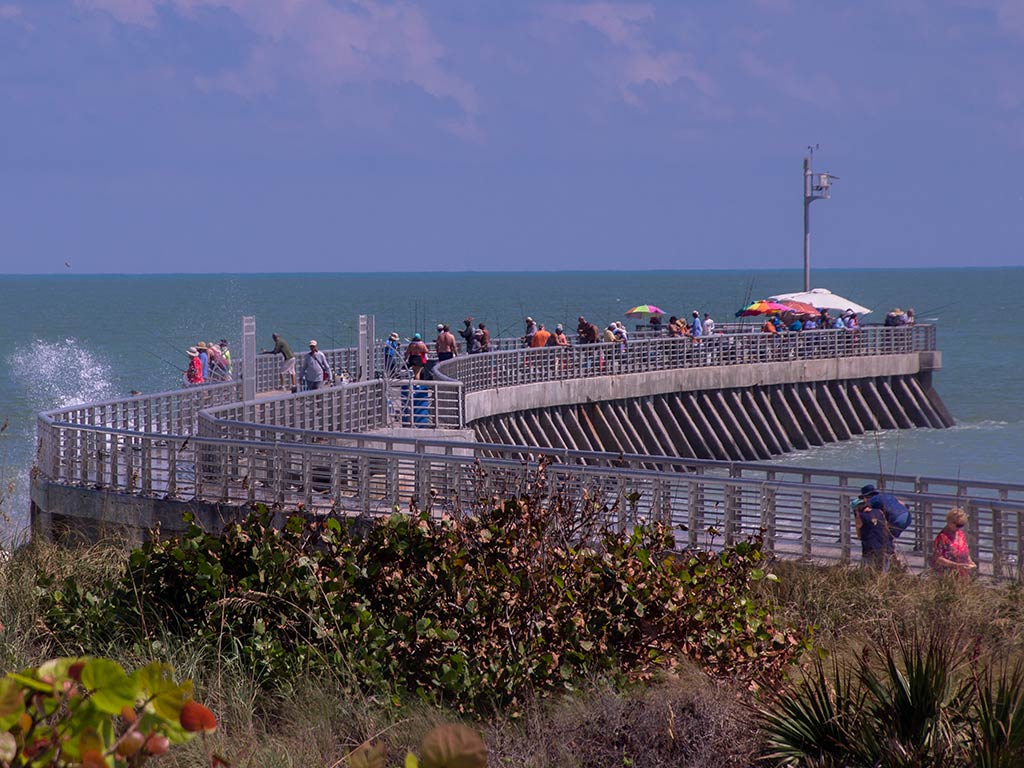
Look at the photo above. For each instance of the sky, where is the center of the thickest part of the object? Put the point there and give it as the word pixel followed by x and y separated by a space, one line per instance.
pixel 467 135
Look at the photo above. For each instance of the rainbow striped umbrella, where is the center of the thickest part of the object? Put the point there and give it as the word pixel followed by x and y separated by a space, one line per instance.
pixel 644 310
pixel 763 307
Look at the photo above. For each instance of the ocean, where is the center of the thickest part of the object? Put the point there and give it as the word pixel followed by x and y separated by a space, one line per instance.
pixel 72 338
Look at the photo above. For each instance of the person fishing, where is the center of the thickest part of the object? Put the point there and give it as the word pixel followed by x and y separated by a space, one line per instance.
pixel 194 372
pixel 287 359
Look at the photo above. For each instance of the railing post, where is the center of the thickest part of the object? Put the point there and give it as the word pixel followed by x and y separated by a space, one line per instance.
pixel 922 528
pixel 695 502
pixel 172 468
pixel 997 540
pixel 973 528
pixel 364 486
pixel 249 358
pixel 805 519
pixel 421 474
pixel 729 522
pixel 844 526
pixel 768 514
pixel 147 465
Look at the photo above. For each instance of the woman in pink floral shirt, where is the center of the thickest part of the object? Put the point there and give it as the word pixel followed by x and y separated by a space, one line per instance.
pixel 951 553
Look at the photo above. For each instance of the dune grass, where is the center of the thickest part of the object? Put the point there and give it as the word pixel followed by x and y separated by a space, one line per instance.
pixel 682 720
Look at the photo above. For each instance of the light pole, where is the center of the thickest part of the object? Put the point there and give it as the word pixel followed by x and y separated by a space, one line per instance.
pixel 815 188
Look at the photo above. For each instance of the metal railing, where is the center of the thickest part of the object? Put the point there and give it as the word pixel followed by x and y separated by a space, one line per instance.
pixel 803 512
pixel 353 408
pixel 324 449
pixel 530 366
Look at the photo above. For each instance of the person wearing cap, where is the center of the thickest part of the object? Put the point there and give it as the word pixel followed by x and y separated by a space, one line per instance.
pixel 416 355
pixel 315 370
pixel 876 539
pixel 287 359
pixel 531 328
pixel 391 346
pixel 558 338
pixel 472 340
pixel 444 344
pixel 194 372
pixel 204 359
pixel 483 337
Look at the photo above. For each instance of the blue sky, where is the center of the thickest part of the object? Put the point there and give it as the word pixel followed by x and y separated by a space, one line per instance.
pixel 343 135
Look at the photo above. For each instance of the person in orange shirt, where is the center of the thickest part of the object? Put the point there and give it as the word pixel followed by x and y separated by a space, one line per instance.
pixel 540 338
pixel 769 327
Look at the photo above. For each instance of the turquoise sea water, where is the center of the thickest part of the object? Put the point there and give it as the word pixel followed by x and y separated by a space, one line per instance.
pixel 70 339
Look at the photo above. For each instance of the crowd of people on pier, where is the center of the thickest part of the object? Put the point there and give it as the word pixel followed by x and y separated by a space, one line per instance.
pixel 419 355
pixel 208 363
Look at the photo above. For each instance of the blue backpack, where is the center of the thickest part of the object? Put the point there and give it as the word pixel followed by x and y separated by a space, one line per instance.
pixel 896 513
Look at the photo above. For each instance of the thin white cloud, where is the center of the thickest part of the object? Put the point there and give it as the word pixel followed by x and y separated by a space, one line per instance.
pixel 321 42
pixel 637 61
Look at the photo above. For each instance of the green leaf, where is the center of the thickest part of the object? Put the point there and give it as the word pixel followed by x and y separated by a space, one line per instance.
pixel 12 703
pixel 411 761
pixel 112 689
pixel 31 682
pixel 157 686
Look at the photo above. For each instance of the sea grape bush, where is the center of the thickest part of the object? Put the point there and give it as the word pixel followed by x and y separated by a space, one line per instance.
pixel 528 594
pixel 89 712
pixel 451 745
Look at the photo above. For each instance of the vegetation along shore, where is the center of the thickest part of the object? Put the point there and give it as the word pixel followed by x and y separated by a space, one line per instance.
pixel 560 642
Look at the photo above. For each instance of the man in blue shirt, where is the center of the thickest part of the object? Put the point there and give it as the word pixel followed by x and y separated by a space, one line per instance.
pixel 697 329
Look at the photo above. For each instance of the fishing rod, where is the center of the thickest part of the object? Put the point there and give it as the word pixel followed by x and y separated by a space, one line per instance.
pixel 164 360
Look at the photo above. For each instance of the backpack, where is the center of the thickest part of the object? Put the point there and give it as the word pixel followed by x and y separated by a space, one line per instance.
pixel 896 513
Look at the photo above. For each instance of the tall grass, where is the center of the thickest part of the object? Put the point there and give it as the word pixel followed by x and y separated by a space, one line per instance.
pixel 683 720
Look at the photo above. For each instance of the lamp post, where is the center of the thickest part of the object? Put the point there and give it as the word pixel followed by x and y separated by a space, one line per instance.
pixel 816 187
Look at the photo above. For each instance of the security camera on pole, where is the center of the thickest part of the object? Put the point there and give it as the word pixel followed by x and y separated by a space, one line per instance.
pixel 816 187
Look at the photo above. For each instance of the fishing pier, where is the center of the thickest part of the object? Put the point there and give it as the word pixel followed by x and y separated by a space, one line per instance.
pixel 674 429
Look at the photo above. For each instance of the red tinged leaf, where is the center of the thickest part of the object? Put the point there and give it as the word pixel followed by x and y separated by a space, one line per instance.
pixel 195 718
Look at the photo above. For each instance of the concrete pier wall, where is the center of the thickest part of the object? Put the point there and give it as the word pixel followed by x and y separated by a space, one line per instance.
pixel 740 413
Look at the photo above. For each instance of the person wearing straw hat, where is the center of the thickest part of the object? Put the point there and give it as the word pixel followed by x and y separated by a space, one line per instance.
pixel 194 372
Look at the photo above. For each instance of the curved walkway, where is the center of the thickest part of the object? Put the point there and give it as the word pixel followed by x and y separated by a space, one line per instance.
pixel 138 461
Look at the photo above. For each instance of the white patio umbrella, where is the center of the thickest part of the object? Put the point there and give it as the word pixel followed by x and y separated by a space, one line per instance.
pixel 822 298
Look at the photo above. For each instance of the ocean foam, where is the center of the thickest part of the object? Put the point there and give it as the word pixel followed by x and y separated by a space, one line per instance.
pixel 56 374
pixel 44 375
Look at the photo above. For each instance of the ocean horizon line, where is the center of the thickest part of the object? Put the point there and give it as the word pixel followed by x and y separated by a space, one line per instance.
pixel 464 272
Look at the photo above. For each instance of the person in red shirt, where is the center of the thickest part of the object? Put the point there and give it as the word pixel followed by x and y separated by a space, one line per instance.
pixel 194 372
pixel 951 553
